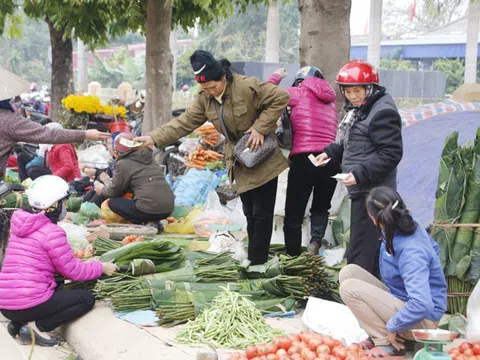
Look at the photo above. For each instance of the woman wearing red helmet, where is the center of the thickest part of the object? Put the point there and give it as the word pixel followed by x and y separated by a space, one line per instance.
pixel 369 147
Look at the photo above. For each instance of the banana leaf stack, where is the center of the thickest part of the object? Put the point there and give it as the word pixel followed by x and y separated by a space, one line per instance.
pixel 140 256
pixel 457 215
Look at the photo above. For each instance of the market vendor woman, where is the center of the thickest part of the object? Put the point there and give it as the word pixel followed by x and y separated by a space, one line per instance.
pixel 248 106
pixel 413 294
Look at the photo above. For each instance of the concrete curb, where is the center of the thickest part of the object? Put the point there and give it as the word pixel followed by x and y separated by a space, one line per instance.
pixel 99 335
pixel 10 349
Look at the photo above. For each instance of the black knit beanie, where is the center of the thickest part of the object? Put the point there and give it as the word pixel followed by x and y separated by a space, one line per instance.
pixel 205 67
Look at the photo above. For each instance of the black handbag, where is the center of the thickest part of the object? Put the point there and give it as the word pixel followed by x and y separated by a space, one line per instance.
pixel 284 131
pixel 241 152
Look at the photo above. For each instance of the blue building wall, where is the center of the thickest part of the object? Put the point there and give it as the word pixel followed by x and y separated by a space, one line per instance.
pixel 415 51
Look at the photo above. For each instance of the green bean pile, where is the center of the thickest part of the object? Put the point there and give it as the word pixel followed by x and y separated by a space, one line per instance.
pixel 102 245
pixel 233 322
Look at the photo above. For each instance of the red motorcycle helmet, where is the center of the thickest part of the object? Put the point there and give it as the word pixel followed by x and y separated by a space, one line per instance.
pixel 357 72
pixel 120 147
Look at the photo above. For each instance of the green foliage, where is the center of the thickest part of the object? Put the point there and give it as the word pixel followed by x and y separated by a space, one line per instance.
pixel 242 37
pixel 454 69
pixel 396 64
pixel 28 56
pixel 121 67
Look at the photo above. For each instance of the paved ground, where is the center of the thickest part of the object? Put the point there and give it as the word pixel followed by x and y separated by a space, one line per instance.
pixel 12 350
pixel 99 335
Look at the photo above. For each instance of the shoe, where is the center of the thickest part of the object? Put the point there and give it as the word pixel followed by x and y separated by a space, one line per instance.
pixel 13 328
pixel 26 338
pixel 313 248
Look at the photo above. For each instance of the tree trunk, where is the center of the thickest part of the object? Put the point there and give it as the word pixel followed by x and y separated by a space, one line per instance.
pixel 375 33
pixel 272 38
pixel 325 36
pixel 472 43
pixel 159 60
pixel 62 68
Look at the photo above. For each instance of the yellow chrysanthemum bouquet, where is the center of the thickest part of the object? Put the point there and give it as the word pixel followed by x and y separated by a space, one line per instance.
pixel 78 109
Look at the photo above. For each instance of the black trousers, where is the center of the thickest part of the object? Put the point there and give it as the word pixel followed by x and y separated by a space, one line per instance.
pixel 34 172
pixel 364 246
pixel 304 177
pixel 258 207
pixel 126 208
pixel 92 197
pixel 63 306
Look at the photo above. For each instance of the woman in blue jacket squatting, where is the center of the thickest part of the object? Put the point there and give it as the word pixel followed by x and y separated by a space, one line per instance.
pixel 414 291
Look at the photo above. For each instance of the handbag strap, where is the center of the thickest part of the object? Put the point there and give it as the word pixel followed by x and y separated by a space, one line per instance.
pixel 221 120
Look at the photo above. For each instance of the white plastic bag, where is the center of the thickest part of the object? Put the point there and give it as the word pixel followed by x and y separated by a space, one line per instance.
pixel 334 319
pixel 95 156
pixel 221 242
pixel 76 236
pixel 473 315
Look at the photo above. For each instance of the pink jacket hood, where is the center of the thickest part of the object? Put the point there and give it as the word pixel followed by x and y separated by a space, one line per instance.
pixel 38 249
pixel 319 88
pixel 313 115
pixel 23 223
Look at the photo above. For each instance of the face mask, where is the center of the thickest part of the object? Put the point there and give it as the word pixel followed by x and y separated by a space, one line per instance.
pixel 63 213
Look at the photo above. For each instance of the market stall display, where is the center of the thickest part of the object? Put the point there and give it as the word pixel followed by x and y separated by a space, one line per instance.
pixel 457 217
pixel 306 345
pixel 232 322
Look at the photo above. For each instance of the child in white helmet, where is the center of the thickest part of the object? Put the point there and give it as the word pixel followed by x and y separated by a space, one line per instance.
pixel 37 250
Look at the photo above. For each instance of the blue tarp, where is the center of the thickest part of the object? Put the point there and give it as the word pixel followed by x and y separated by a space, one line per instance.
pixel 422 148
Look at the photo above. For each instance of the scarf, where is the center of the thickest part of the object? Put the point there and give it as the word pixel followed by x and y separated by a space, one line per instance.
pixel 357 113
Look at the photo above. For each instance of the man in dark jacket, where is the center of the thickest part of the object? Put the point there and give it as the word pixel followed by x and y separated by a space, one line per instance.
pixel 137 173
pixel 369 147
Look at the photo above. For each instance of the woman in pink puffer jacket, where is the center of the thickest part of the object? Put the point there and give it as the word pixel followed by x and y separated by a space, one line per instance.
pixel 37 250
pixel 313 119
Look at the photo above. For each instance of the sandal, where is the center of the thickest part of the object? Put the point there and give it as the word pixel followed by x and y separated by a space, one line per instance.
pixel 386 352
pixel 366 344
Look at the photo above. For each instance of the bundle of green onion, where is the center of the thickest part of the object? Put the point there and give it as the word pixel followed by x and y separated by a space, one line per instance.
pixel 102 245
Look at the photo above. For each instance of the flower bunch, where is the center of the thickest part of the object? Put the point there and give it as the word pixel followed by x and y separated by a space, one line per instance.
pixel 119 111
pixel 82 104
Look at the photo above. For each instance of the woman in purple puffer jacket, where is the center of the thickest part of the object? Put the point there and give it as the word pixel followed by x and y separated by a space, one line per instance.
pixel 36 251
pixel 314 126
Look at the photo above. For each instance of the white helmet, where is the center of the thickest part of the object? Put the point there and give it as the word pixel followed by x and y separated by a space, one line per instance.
pixel 46 191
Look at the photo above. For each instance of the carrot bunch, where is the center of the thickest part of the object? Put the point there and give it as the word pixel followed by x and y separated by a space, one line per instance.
pixel 199 158
pixel 209 134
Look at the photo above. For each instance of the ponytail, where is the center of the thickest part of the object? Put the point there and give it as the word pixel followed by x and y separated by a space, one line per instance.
pixel 228 69
pixel 391 215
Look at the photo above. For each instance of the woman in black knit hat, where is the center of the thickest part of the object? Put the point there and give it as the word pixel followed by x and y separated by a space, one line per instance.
pixel 247 106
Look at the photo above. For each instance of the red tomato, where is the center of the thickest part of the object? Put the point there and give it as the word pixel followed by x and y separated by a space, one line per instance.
pixel 473 357
pixel 281 352
pixel 323 349
pixel 293 337
pixel 323 356
pixel 328 340
pixel 313 344
pixel 296 357
pixel 271 349
pixel 272 357
pixel 464 346
pixel 459 357
pixel 476 349
pixel 251 351
pixel 468 352
pixel 284 343
pixel 340 352
pixel 256 358
pixel 294 349
pixel 354 347
pixel 308 354
pixel 333 357
pixel 262 350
